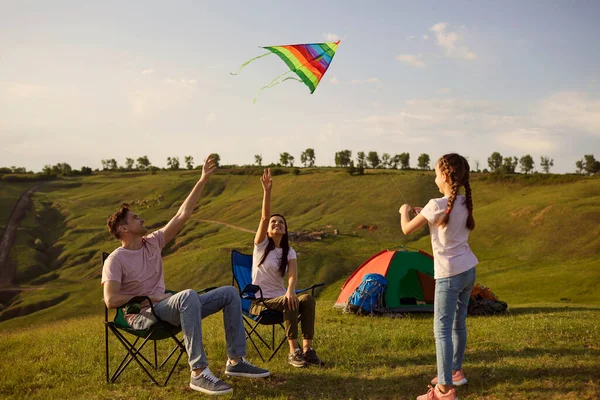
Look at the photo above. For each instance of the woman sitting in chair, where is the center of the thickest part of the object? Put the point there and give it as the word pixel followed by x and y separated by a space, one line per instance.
pixel 272 259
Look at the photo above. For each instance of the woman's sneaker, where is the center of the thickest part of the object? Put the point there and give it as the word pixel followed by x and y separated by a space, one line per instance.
pixel 312 358
pixel 245 369
pixel 458 379
pixel 297 359
pixel 207 383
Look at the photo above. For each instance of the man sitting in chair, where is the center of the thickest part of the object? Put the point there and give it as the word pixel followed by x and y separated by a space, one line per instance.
pixel 136 269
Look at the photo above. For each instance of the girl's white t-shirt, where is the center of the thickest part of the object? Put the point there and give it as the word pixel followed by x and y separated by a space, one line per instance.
pixel 267 275
pixel 451 252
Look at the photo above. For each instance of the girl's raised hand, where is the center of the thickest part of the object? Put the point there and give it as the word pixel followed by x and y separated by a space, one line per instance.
pixel 266 180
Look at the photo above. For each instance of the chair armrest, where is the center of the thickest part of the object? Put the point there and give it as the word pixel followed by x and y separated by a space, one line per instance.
pixel 139 300
pixel 249 292
pixel 312 288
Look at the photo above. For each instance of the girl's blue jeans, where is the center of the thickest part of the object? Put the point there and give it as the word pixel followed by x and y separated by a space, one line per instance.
pixel 449 322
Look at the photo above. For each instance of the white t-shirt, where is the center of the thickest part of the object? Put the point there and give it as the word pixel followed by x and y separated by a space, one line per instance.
pixel 451 252
pixel 267 275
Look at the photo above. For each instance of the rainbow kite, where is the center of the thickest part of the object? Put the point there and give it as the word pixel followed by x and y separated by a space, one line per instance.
pixel 308 61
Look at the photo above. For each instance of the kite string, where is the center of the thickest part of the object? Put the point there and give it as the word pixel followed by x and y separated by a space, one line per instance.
pixel 397 187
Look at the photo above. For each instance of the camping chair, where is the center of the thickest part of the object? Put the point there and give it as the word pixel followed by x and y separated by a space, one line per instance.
pixel 241 265
pixel 158 331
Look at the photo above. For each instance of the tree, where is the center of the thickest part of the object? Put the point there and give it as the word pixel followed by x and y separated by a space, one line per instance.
pixel 546 163
pixel 308 157
pixel 495 161
pixel 217 159
pixel 579 165
pixel 395 161
pixel 405 161
pixel 284 158
pixel 477 166
pixel 189 162
pixel 351 169
pixel 509 165
pixel 129 164
pixel 62 169
pixel 103 162
pixel 47 170
pixel 373 158
pixel 590 165
pixel 143 163
pixel 386 160
pixel 258 159
pixel 343 159
pixel 173 163
pixel 86 171
pixel 423 161
pixel 291 160
pixel 112 164
pixel 360 160
pixel 526 163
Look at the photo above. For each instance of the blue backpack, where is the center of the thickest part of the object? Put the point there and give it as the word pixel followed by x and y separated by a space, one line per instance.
pixel 368 295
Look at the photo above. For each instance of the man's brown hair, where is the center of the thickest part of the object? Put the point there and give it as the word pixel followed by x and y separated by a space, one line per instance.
pixel 117 219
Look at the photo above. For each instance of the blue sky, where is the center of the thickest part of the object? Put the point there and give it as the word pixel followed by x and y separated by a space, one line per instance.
pixel 85 81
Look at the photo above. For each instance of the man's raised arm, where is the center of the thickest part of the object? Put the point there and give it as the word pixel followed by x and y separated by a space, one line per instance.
pixel 186 209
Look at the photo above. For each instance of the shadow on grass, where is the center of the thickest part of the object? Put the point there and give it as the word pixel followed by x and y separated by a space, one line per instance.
pixel 547 310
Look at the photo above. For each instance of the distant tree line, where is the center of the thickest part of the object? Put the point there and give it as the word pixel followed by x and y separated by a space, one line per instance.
pixel 497 163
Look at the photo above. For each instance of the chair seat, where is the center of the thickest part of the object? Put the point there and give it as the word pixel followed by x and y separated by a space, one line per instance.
pixel 160 330
pixel 267 317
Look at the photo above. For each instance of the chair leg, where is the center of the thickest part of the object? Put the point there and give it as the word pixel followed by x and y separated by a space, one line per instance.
pixel 133 355
pixel 280 344
pixel 155 357
pixel 106 344
pixel 253 330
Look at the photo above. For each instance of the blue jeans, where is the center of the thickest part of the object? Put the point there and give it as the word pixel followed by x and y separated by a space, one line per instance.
pixel 187 308
pixel 450 322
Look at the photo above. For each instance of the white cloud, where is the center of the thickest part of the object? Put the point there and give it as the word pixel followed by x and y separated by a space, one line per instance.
pixel 211 117
pixel 528 140
pixel 412 59
pixel 444 90
pixel 331 37
pixel 334 80
pixel 570 113
pixel 148 71
pixel 364 81
pixel 425 37
pixel 452 42
pixel 411 37
pixel 23 90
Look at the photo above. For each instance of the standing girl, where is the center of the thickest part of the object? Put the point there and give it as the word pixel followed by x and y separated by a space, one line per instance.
pixel 271 260
pixel 450 220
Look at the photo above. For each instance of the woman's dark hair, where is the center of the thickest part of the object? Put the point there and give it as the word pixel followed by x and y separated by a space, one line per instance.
pixel 284 244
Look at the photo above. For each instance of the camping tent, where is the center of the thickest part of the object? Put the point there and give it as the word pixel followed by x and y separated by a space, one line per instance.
pixel 410 280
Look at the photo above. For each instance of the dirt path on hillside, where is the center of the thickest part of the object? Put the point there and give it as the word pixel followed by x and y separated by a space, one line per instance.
pixel 239 228
pixel 7 271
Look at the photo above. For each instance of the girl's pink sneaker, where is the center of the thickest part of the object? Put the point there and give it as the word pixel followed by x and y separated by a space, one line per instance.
pixel 458 379
pixel 434 393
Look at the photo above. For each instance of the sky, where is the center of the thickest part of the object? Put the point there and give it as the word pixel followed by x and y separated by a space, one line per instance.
pixel 84 81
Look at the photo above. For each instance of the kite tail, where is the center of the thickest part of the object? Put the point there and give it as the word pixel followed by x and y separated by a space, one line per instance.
pixel 249 61
pixel 270 85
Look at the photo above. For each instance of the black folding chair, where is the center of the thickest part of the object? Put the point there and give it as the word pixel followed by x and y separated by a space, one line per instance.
pixel 241 265
pixel 160 330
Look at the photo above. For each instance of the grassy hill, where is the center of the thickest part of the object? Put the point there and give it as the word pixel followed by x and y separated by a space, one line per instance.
pixel 537 239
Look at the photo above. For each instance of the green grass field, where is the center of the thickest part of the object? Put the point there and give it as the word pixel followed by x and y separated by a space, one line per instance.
pixel 537 239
